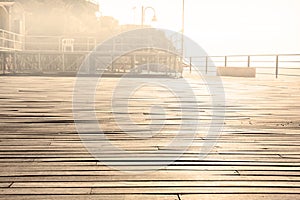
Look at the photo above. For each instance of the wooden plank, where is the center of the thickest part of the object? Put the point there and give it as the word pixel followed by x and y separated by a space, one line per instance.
pixel 152 190
pixel 239 196
pixel 111 172
pixel 44 191
pixel 161 177
pixel 154 184
pixel 125 165
pixel 93 165
pixel 89 197
pixel 5 184
pixel 197 190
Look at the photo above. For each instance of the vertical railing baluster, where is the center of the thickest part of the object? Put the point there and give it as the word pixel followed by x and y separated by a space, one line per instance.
pixel 249 61
pixel 190 64
pixel 277 65
pixel 39 62
pixel 206 64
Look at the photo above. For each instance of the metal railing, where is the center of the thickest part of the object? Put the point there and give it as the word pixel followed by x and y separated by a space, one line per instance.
pixel 54 43
pixel 10 41
pixel 40 62
pixel 273 65
pixel 265 64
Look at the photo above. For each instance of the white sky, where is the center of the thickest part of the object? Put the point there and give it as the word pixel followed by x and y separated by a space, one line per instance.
pixel 222 26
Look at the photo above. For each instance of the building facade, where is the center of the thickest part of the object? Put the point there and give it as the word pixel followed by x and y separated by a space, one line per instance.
pixel 55 36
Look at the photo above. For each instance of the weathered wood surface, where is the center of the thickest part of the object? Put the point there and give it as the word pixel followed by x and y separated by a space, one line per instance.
pixel 42 157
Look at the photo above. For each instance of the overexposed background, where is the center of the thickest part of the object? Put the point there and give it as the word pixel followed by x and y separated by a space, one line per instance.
pixel 221 26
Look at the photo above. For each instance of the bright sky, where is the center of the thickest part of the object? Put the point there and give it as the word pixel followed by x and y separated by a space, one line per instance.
pixel 221 26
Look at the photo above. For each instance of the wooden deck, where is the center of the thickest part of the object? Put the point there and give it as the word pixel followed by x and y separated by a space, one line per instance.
pixel 257 155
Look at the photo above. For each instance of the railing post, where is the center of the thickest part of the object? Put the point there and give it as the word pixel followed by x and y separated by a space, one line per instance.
pixel 63 62
pixel 157 61
pixel 175 66
pixel 23 41
pixel 132 63
pixel 60 44
pixel 1 39
pixel 14 41
pixel 190 64
pixel 148 66
pixel 15 62
pixel 112 63
pixel 277 65
pixel 86 44
pixel 225 61
pixel 248 62
pixel 39 57
pixel 3 63
pixel 206 64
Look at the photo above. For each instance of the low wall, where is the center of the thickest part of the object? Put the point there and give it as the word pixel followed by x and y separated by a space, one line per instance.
pixel 236 71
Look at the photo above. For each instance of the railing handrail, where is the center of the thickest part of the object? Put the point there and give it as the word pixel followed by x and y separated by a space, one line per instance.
pixel 278 62
pixel 244 55
pixel 10 33
pixel 59 36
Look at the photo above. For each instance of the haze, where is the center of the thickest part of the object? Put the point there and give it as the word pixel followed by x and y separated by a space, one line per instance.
pixel 221 26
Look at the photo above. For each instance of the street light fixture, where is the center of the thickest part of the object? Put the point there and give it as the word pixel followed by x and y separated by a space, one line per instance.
pixel 182 27
pixel 154 18
pixel 182 34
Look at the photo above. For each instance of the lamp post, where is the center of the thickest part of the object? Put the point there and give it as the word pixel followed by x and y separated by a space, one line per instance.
pixel 134 14
pixel 144 12
pixel 182 35
pixel 182 31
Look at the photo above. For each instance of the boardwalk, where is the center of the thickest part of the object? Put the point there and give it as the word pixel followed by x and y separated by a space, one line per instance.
pixel 257 155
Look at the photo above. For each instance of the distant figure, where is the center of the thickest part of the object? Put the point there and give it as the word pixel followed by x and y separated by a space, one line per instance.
pixel 8 64
pixel 68 44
